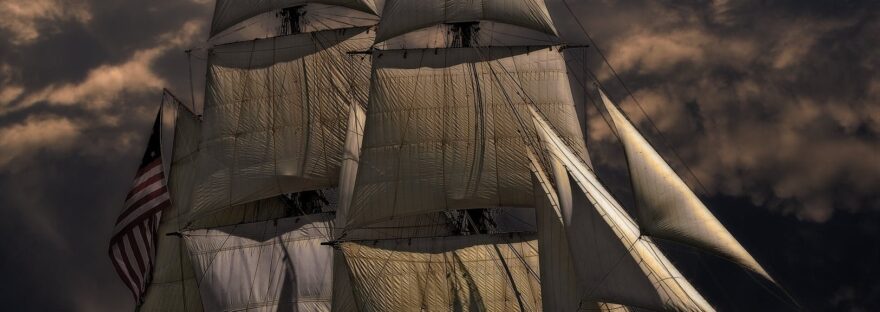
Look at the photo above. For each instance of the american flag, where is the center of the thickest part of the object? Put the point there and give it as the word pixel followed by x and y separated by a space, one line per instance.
pixel 133 245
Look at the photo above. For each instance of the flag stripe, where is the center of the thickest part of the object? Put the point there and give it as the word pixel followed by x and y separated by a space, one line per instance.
pixel 135 274
pixel 150 200
pixel 148 196
pixel 131 224
pixel 133 244
pixel 154 168
pixel 138 189
pixel 123 274
pixel 144 244
pixel 148 239
pixel 136 251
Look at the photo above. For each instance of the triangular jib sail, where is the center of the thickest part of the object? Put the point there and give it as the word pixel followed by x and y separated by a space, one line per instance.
pixel 667 208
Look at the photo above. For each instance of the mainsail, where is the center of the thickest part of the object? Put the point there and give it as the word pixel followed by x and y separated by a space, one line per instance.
pixel 463 273
pixel 270 265
pixel 330 172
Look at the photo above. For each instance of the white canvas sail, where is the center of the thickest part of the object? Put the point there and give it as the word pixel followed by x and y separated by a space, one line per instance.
pixel 636 273
pixel 625 280
pixel 463 273
pixel 403 16
pixel 173 285
pixel 275 118
pixel 227 13
pixel 444 129
pixel 350 160
pixel 667 208
pixel 265 266
pixel 559 287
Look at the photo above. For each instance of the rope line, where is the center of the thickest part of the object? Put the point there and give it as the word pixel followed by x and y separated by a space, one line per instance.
pixel 635 100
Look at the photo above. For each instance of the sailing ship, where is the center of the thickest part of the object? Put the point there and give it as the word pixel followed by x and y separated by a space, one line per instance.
pixel 334 170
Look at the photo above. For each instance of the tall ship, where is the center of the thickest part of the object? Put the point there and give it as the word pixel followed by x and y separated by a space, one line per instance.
pixel 409 155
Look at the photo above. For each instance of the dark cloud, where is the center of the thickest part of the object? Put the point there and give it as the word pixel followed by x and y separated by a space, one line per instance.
pixel 724 81
pixel 775 106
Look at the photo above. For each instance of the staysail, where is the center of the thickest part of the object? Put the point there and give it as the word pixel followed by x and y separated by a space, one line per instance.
pixel 637 273
pixel 227 13
pixel 276 114
pixel 445 129
pixel 559 287
pixel 667 208
pixel 403 16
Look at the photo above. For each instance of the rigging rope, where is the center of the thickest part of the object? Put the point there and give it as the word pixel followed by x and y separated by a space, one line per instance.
pixel 635 100
pixel 180 242
pixel 653 125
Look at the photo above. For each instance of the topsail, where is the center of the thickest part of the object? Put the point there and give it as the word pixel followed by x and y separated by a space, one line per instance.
pixel 276 114
pixel 403 16
pixel 227 13
pixel 445 129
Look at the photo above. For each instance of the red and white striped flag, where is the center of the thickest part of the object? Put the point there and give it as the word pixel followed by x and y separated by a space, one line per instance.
pixel 133 245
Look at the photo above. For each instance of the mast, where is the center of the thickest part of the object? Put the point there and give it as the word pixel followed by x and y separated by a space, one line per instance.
pixel 291 20
pixel 255 165
pixel 464 34
pixel 173 286
pixel 442 144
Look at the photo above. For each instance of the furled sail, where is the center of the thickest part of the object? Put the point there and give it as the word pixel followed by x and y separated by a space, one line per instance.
pixel 461 273
pixel 276 114
pixel 173 286
pixel 611 257
pixel 445 129
pixel 403 16
pixel 667 208
pixel 227 13
pixel 267 266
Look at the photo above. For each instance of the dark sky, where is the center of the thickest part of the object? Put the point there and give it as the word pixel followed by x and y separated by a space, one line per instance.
pixel 774 105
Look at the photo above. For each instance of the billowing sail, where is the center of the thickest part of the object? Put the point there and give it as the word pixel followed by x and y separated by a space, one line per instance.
pixel 276 114
pixel 462 273
pixel 350 159
pixel 403 16
pixel 173 286
pixel 622 280
pixel 612 259
pixel 446 128
pixel 667 208
pixel 227 13
pixel 277 265
pixel 559 288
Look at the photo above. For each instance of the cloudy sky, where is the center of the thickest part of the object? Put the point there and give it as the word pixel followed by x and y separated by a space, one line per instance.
pixel 774 106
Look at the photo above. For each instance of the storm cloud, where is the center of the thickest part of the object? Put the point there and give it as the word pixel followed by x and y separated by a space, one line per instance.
pixel 774 107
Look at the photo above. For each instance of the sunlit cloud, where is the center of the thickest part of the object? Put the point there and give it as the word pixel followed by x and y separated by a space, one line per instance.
pixel 107 83
pixel 35 134
pixel 744 110
pixel 26 20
